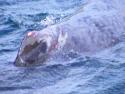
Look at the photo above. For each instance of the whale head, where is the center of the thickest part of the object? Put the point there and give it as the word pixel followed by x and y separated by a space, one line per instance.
pixel 34 49
pixel 37 47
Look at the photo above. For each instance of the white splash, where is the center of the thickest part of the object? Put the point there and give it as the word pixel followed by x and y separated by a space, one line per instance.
pixel 48 21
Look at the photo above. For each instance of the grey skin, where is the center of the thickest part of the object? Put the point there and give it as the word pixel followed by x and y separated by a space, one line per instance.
pixel 88 32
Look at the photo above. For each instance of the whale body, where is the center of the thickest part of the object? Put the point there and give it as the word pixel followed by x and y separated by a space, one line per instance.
pixel 97 27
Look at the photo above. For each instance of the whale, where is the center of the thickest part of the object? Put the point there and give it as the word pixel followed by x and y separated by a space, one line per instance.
pixel 87 32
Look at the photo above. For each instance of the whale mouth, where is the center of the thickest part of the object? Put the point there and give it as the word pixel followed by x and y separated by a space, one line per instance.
pixel 32 52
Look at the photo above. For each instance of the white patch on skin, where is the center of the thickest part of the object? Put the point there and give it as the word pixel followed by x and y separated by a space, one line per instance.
pixel 22 61
pixel 49 41
pixel 48 21
pixel 30 33
pixel 62 39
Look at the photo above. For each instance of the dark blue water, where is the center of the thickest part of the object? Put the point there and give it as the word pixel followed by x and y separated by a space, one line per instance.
pixel 101 74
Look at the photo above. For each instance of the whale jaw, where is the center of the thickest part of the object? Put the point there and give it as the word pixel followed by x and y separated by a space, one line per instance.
pixel 32 52
pixel 19 62
pixel 33 58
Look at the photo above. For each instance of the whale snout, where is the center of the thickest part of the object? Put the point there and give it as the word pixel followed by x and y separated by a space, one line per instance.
pixel 33 51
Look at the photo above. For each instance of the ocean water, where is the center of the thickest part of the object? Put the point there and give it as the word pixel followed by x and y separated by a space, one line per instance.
pixel 103 73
